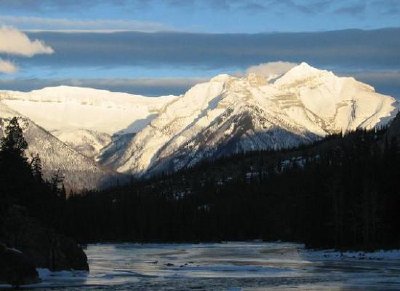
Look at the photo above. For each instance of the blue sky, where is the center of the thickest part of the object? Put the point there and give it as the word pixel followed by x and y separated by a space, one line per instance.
pixel 212 16
pixel 159 47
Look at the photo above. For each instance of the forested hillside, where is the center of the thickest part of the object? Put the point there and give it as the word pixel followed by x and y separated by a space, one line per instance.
pixel 341 192
pixel 32 213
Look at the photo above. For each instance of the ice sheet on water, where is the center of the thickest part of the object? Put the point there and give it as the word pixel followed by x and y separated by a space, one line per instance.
pixel 228 265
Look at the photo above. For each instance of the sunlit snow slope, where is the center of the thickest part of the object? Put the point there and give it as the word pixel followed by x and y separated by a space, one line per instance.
pixel 79 171
pixel 230 114
pixel 147 135
pixel 85 118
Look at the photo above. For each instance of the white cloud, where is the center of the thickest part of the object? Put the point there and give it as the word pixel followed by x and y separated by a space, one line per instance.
pixel 7 67
pixel 15 42
pixel 272 69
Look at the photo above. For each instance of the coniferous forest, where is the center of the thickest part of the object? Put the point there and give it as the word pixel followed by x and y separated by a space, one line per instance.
pixel 341 192
pixel 31 216
pixel 23 191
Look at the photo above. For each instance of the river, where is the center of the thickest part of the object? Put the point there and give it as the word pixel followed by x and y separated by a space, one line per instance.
pixel 227 266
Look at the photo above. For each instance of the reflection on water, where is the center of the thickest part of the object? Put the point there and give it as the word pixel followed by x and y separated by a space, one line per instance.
pixel 232 266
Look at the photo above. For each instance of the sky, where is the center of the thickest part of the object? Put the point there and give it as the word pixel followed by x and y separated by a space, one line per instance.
pixel 159 47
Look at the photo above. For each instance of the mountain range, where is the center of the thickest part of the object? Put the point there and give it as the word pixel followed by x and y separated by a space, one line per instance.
pixel 106 134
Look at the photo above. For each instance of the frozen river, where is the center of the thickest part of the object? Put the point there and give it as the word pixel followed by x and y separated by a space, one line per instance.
pixel 228 266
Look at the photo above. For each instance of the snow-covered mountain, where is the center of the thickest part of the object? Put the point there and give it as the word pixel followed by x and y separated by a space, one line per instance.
pixel 231 114
pixel 87 142
pixel 85 118
pixel 145 135
pixel 79 171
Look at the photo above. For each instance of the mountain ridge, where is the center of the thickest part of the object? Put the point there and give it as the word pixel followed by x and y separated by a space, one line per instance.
pixel 301 106
pixel 228 114
pixel 78 171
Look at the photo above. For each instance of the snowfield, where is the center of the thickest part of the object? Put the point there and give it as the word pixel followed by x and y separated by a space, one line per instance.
pixel 75 108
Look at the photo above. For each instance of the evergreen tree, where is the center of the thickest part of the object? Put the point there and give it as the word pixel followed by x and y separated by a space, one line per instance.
pixel 36 166
pixel 57 185
pixel 15 170
pixel 13 141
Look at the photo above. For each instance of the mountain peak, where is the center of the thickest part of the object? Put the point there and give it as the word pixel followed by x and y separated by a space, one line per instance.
pixel 220 78
pixel 300 72
pixel 225 115
pixel 303 69
pixel 305 66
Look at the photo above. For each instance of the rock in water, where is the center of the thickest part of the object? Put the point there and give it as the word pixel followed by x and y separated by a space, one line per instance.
pixel 53 251
pixel 65 253
pixel 45 247
pixel 16 268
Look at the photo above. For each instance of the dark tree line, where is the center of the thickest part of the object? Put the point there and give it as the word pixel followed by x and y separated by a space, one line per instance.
pixel 24 194
pixel 342 193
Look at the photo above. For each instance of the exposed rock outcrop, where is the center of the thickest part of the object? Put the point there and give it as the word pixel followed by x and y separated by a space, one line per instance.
pixel 16 268
pixel 55 252
pixel 45 247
